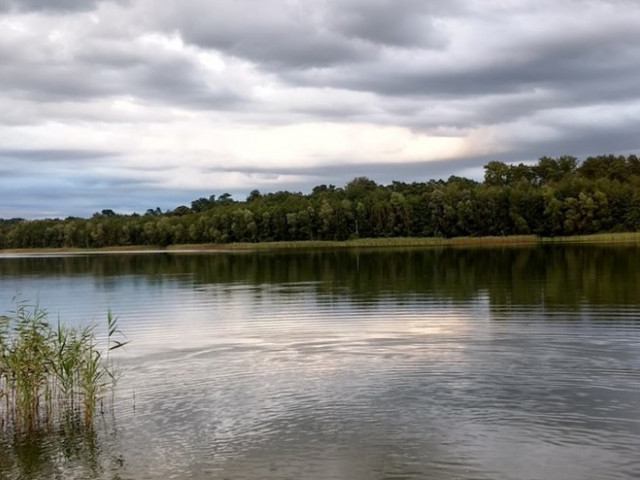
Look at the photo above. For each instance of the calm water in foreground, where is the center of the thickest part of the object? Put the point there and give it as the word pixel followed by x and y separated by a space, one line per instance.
pixel 517 363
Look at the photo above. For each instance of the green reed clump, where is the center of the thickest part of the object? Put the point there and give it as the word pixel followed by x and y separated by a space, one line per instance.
pixel 49 373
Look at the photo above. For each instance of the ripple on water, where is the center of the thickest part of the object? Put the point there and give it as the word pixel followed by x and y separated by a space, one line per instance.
pixel 336 392
pixel 299 380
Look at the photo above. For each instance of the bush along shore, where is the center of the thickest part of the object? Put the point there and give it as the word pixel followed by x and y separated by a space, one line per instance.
pixel 52 373
pixel 555 197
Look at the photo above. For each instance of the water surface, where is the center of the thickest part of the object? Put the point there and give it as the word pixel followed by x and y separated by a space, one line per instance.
pixel 492 363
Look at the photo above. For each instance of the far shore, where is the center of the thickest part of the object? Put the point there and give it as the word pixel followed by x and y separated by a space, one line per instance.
pixel 400 242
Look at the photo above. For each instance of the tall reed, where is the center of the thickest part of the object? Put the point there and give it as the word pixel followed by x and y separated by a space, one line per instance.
pixel 49 373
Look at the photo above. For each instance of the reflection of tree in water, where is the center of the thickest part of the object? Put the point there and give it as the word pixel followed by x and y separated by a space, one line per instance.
pixel 549 275
pixel 68 450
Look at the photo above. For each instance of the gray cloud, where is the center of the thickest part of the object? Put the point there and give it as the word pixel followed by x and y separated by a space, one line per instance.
pixel 97 70
pixel 543 78
pixel 564 63
pixel 53 155
pixel 582 142
pixel 39 5
pixel 340 174
pixel 301 35
pixel 273 34
pixel 399 23
pixel 48 5
pixel 44 63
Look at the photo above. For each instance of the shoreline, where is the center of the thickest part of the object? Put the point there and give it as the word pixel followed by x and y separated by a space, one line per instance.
pixel 395 242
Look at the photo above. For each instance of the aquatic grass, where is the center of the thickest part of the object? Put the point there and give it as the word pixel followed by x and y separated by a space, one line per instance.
pixel 49 373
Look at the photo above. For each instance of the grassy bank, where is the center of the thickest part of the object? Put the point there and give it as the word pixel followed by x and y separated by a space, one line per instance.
pixel 367 243
pixel 602 238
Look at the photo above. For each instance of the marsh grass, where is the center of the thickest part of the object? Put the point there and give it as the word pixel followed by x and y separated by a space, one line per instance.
pixel 417 242
pixel 597 238
pixel 392 242
pixel 52 373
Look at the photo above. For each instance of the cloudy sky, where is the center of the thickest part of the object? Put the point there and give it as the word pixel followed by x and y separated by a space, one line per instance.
pixel 134 104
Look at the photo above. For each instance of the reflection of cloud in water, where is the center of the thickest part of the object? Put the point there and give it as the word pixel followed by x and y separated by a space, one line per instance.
pixel 291 373
pixel 296 321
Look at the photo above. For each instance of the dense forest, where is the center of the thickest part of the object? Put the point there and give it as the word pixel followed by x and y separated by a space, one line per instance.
pixel 556 196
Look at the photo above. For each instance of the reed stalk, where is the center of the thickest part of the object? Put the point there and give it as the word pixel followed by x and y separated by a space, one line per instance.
pixel 49 373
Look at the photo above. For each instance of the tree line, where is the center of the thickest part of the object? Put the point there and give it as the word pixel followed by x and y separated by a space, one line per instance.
pixel 556 196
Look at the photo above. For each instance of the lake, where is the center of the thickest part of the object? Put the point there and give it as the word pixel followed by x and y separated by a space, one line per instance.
pixel 454 363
